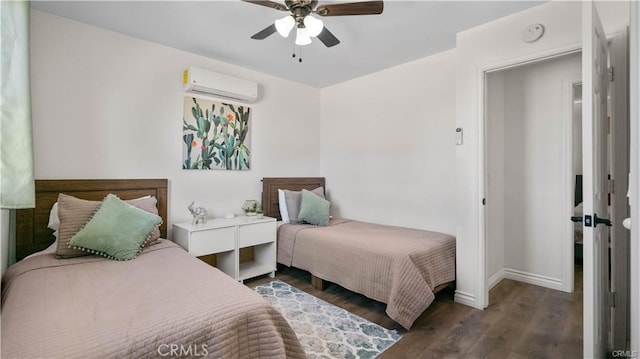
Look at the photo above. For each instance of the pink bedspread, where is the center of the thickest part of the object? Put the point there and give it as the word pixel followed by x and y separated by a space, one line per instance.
pixel 91 307
pixel 394 265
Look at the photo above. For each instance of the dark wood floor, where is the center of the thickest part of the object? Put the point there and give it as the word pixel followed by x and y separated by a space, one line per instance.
pixel 522 321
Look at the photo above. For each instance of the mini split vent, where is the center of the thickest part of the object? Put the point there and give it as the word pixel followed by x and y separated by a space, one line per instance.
pixel 220 85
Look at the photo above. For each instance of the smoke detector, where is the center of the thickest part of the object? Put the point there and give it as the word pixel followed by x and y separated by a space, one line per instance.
pixel 532 32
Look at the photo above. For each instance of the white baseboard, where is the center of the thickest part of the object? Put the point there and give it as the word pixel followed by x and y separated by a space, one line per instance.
pixel 513 274
pixel 465 298
pixel 496 278
pixel 530 278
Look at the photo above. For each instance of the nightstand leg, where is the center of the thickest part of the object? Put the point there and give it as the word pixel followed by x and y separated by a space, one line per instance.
pixel 272 274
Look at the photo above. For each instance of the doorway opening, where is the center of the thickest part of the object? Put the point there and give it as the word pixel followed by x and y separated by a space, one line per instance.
pixel 523 183
pixel 530 175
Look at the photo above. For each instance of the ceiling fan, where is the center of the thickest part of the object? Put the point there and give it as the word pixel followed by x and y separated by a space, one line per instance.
pixel 308 26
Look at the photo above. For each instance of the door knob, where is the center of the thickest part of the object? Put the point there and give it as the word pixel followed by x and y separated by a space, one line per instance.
pixel 597 220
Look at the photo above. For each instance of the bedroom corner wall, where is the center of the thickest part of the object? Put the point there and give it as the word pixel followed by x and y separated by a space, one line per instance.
pixel 388 145
pixel 107 105
pixel 491 44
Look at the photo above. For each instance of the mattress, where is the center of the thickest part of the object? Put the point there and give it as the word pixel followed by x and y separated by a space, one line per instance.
pixel 394 265
pixel 165 301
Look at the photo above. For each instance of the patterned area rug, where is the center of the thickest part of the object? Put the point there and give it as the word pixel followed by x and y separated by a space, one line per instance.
pixel 327 331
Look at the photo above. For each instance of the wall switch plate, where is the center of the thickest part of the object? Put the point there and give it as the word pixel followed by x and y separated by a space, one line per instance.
pixel 459 136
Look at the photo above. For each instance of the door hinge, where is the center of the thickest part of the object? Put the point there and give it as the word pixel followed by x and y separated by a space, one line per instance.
pixel 611 186
pixel 611 73
pixel 612 299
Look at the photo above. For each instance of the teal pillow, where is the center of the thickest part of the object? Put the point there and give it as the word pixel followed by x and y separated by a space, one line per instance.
pixel 314 209
pixel 117 230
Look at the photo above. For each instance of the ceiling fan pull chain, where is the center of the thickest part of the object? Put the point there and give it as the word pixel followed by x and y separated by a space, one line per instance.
pixel 299 53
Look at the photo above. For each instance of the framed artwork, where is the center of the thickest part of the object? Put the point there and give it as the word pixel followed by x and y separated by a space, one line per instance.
pixel 215 135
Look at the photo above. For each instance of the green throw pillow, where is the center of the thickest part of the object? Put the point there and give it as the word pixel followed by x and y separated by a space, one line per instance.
pixel 314 209
pixel 117 230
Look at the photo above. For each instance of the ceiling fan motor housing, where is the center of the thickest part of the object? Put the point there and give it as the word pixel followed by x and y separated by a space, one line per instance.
pixel 310 4
pixel 300 9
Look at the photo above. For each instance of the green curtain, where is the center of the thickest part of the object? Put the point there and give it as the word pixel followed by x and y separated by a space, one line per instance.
pixel 17 188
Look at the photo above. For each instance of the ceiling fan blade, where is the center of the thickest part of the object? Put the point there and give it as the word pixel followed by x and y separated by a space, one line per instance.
pixel 267 3
pixel 266 32
pixel 327 38
pixel 352 8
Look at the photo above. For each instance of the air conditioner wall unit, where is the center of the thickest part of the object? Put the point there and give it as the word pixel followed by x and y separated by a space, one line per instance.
pixel 220 85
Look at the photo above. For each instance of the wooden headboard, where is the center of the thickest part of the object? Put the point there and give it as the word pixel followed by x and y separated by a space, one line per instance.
pixel 270 186
pixel 32 234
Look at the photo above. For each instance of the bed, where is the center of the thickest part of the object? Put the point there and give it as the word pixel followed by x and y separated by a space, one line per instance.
pixel 162 303
pixel 401 267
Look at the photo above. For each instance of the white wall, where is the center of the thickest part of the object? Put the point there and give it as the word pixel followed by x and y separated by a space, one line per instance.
pixel 531 158
pixel 536 168
pixel 106 105
pixel 495 191
pixel 576 113
pixel 388 145
pixel 490 45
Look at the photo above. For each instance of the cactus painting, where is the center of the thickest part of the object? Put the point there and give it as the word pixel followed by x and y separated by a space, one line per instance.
pixel 215 135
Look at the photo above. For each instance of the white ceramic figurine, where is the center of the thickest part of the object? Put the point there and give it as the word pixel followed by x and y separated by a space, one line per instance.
pixel 199 214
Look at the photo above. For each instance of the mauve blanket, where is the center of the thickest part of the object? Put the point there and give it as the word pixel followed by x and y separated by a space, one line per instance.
pixel 163 302
pixel 394 265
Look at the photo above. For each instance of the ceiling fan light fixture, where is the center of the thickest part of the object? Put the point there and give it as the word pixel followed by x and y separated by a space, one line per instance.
pixel 314 26
pixel 284 25
pixel 302 37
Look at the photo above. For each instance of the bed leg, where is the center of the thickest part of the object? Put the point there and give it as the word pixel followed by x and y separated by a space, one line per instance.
pixel 317 283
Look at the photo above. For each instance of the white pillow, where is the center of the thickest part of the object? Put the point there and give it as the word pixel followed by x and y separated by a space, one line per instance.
pixel 54 220
pixel 283 207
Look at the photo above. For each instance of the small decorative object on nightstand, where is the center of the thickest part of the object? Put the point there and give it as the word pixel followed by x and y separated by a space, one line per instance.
pixel 259 212
pixel 249 207
pixel 199 214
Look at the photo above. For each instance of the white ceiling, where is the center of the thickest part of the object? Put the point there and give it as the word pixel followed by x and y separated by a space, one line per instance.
pixel 406 31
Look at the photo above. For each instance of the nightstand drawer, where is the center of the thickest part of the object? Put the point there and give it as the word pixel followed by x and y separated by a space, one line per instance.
pixel 256 233
pixel 212 241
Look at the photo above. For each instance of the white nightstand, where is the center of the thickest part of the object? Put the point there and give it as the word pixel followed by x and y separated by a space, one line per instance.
pixel 225 237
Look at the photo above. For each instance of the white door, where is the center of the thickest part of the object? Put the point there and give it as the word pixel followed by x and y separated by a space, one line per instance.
pixel 619 171
pixel 594 152
pixel 634 105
